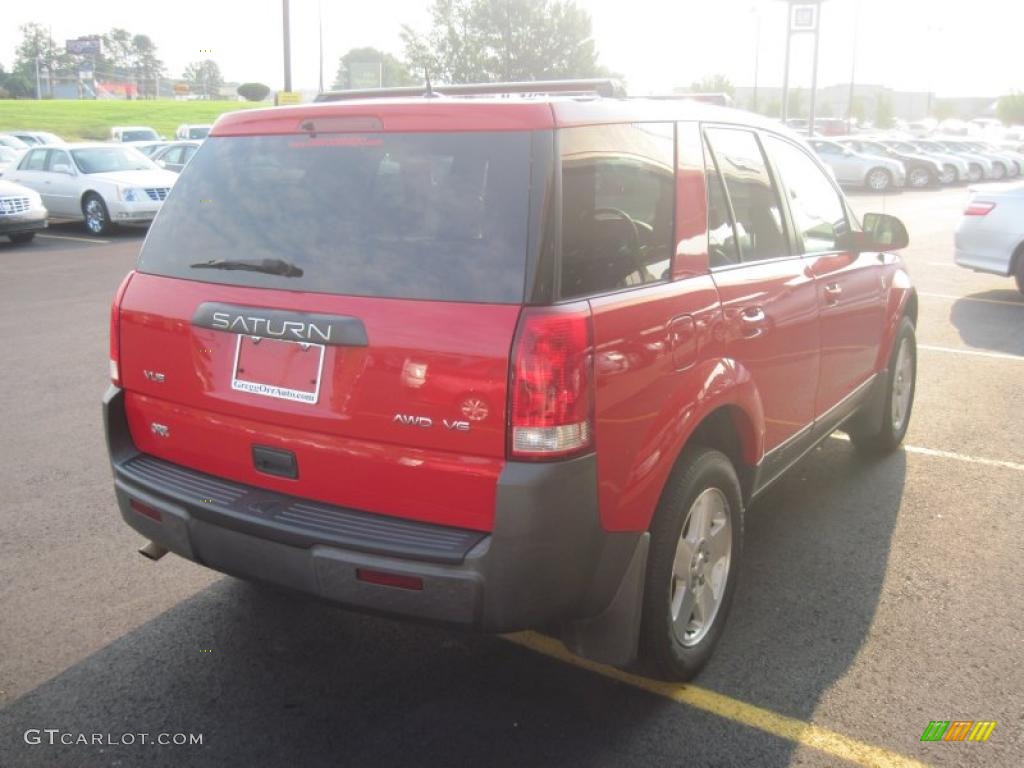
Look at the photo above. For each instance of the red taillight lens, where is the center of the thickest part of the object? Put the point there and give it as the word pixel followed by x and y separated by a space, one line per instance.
pixel 115 331
pixel 551 403
pixel 145 509
pixel 978 208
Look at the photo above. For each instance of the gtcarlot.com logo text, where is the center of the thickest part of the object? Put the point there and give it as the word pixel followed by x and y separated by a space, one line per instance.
pixel 53 736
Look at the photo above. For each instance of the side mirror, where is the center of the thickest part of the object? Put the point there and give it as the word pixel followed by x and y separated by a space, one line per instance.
pixel 63 168
pixel 885 232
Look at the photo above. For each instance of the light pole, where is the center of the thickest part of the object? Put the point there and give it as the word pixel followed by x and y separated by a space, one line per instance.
pixel 757 53
pixel 853 70
pixel 287 47
pixel 320 18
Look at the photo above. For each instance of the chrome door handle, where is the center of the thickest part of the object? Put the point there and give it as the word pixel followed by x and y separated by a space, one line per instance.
pixel 753 322
pixel 832 292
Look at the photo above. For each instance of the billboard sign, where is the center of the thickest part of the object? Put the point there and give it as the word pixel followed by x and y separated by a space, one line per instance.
pixel 85 46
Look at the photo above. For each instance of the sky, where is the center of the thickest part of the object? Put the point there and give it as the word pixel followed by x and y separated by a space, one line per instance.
pixel 948 46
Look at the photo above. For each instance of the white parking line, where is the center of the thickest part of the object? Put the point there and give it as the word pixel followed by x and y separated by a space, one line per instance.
pixel 949 455
pixel 975 352
pixel 941 264
pixel 76 239
pixel 951 297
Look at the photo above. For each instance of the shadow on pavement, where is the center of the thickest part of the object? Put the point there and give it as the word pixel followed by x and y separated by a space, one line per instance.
pixel 993 327
pixel 271 678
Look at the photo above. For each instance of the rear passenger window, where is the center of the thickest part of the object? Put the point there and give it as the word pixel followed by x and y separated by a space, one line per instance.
pixel 618 201
pixel 722 248
pixel 754 199
pixel 35 160
pixel 816 208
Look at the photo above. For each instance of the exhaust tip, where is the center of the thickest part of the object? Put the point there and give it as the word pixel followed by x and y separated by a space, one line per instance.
pixel 153 551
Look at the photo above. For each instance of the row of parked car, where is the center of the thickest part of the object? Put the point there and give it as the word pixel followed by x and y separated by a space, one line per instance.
pixel 103 184
pixel 882 163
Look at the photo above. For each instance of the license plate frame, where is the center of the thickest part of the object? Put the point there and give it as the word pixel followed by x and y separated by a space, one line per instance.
pixel 263 389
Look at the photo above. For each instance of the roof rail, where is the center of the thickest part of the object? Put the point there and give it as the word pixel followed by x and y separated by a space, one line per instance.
pixel 605 87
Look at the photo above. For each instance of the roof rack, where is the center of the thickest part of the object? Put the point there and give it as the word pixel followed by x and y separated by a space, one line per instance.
pixel 604 87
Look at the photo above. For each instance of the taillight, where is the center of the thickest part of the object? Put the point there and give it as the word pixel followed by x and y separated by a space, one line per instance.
pixel 978 208
pixel 552 388
pixel 115 331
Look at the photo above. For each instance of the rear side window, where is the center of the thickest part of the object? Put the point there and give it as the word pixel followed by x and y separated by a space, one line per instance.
pixel 420 215
pixel 618 201
pixel 814 204
pixel 754 199
pixel 35 160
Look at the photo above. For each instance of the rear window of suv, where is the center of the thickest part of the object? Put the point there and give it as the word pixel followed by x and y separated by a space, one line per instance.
pixel 439 216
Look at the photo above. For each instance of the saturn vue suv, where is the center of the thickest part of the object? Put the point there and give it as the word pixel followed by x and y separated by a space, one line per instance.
pixel 499 362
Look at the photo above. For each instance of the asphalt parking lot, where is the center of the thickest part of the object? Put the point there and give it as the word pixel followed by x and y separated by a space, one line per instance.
pixel 874 597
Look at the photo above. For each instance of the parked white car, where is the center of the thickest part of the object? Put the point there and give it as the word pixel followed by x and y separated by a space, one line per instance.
pixel 8 159
pixel 11 141
pixel 129 133
pixel 199 132
pixel 990 237
pixel 100 184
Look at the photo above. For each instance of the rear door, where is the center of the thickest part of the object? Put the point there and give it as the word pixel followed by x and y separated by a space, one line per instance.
pixel 768 294
pixel 848 285
pixel 62 186
pixel 348 298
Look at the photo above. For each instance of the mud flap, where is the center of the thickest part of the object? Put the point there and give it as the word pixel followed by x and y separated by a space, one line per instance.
pixel 612 637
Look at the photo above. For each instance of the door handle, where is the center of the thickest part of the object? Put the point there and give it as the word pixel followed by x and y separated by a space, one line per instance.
pixel 753 321
pixel 832 293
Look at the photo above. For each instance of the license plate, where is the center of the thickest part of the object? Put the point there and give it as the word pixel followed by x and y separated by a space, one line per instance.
pixel 288 370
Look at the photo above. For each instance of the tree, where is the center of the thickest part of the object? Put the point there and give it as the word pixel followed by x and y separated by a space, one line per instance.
pixel 203 77
pixel 393 71
pixel 489 40
pixel 773 108
pixel 1010 108
pixel 714 84
pixel 36 48
pixel 253 91
pixel 857 110
pixel 148 67
pixel 883 112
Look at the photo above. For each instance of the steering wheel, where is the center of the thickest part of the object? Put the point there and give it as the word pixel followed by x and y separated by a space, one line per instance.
pixel 633 241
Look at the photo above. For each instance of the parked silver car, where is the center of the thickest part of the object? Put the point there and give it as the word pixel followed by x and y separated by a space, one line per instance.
pixel 981 166
pixel 876 173
pixel 175 155
pixel 952 164
pixel 1011 159
pixel 990 236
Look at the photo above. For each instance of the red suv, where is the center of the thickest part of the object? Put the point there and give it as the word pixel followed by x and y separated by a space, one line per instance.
pixel 500 362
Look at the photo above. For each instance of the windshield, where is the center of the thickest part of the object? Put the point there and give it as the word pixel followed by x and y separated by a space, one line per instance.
pixel 109 159
pixel 198 131
pixel 139 135
pixel 421 215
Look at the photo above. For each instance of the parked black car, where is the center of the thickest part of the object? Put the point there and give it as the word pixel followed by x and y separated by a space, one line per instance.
pixel 922 171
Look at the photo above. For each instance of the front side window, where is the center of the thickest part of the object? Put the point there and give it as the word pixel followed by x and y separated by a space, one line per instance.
pixel 754 198
pixel 618 201
pixel 819 217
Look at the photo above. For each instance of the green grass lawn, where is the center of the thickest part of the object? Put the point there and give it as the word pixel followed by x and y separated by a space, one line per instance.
pixel 88 119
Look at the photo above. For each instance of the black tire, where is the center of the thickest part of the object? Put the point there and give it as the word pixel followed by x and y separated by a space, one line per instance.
pixel 975 172
pixel 95 214
pixel 698 471
pixel 949 175
pixel 998 171
pixel 1018 273
pixel 885 435
pixel 22 237
pixel 878 180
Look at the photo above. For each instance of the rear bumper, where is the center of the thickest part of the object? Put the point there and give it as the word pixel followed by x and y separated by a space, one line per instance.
pixel 546 563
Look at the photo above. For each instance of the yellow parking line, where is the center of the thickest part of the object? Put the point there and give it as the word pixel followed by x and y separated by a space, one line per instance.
pixel 789 728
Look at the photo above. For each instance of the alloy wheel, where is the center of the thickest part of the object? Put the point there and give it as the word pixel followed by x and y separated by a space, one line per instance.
pixel 902 385
pixel 700 570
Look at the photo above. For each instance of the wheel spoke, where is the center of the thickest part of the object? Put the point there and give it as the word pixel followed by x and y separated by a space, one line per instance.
pixel 684 556
pixel 719 542
pixel 682 607
pixel 705 605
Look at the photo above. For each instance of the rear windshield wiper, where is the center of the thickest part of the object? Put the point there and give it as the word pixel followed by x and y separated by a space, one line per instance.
pixel 267 266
